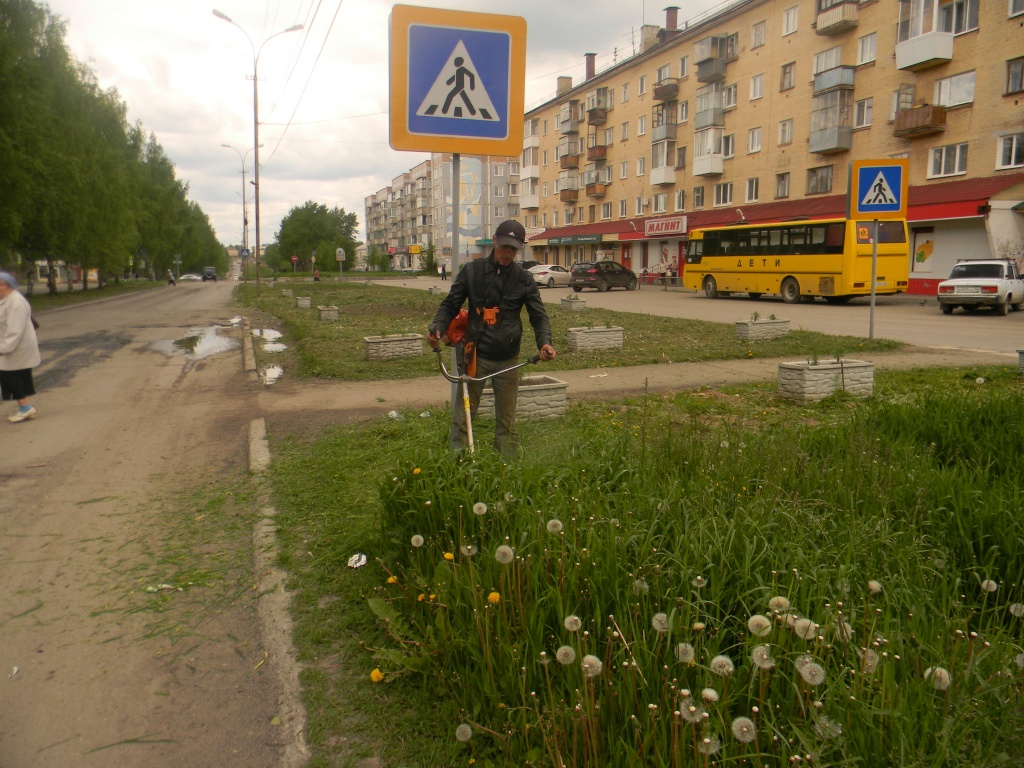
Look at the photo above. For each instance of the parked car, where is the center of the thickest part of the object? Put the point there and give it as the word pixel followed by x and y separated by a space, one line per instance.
pixel 189 277
pixel 995 283
pixel 550 275
pixel 209 273
pixel 528 264
pixel 602 276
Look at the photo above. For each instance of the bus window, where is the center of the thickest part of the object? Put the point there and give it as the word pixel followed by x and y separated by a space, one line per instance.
pixel 888 232
pixel 694 250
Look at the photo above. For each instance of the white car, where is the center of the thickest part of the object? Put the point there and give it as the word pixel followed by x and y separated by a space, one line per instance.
pixel 995 283
pixel 550 275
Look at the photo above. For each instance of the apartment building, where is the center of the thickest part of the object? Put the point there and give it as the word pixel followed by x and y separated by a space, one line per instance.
pixel 755 112
pixel 398 217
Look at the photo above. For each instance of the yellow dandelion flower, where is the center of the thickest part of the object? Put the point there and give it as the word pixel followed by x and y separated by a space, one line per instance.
pixel 433 597
pixel 392 579
pixel 449 556
pixel 494 598
pixel 421 598
pixel 376 676
pixel 417 471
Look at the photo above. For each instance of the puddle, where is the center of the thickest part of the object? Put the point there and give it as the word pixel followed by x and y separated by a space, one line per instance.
pixel 197 343
pixel 271 374
pixel 266 333
pixel 236 320
pixel 274 347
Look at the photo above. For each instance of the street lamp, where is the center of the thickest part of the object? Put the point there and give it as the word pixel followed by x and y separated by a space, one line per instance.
pixel 245 209
pixel 256 127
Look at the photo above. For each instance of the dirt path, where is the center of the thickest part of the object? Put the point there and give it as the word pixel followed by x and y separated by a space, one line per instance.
pixel 100 663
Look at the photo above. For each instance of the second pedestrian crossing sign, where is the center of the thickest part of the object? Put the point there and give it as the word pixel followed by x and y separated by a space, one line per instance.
pixel 878 189
pixel 457 81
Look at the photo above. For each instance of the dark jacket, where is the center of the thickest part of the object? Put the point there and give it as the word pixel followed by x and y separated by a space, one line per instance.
pixel 485 284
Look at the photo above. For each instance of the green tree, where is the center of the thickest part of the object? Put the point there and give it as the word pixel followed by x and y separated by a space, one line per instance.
pixel 315 228
pixel 377 260
pixel 428 260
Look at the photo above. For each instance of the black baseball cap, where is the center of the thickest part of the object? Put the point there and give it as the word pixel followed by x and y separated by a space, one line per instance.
pixel 510 233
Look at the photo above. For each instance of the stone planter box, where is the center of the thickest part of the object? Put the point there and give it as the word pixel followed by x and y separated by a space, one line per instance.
pixel 761 330
pixel 808 382
pixel 540 397
pixel 302 302
pixel 287 292
pixel 593 339
pixel 574 305
pixel 394 346
pixel 327 313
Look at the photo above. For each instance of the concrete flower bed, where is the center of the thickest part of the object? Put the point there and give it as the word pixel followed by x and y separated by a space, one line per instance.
pixel 327 313
pixel 761 330
pixel 540 397
pixel 287 292
pixel 810 381
pixel 394 346
pixel 574 304
pixel 592 339
pixel 302 302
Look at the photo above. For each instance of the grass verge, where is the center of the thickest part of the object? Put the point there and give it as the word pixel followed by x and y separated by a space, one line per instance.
pixel 42 301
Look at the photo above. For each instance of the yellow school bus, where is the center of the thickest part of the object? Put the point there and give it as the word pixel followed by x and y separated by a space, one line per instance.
pixel 830 258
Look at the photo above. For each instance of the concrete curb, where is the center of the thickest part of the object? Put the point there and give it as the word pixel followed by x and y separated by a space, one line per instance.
pixel 248 352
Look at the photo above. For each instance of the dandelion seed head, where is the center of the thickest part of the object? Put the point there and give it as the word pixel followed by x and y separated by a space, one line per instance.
pixel 874 586
pixel 555 526
pixel 1017 610
pixel 813 674
pixel 565 655
pixel 709 745
pixel 759 625
pixel 479 508
pixel 724 444
pixel 699 582
pixel 779 603
pixel 640 587
pixel 659 622
pixel 684 652
pixel 464 732
pixel 710 695
pixel 844 631
pixel 989 586
pixel 762 657
pixel 722 665
pixel 504 554
pixel 743 730
pixel 509 496
pixel 826 728
pixel 802 661
pixel 939 676
pixel 416 541
pixel 698 626
pixel 572 623
pixel 591 665
pixel 467 550
pixel 805 629
pixel 690 711
pixel 1019 660
pixel 868 661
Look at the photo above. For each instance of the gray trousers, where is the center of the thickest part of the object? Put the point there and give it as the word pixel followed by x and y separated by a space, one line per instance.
pixel 506 395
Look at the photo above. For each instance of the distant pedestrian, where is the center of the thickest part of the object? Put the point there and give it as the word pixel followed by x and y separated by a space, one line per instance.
pixel 316 275
pixel 170 278
pixel 19 349
pixel 444 271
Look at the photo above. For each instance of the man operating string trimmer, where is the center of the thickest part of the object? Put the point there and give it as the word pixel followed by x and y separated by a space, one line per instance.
pixel 497 289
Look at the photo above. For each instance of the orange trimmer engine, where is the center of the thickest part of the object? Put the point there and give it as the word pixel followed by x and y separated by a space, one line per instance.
pixel 456 329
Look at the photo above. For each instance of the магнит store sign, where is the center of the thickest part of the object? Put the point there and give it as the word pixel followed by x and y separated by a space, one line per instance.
pixel 670 225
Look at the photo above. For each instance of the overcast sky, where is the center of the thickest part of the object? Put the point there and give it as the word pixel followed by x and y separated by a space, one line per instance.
pixel 323 92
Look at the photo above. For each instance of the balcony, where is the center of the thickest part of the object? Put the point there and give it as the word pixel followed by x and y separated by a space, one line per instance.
pixel 666 90
pixel 529 201
pixel 569 126
pixel 663 175
pixel 711 71
pixel 920 121
pixel 569 161
pixel 530 172
pixel 923 51
pixel 567 195
pixel 597 115
pixel 829 140
pixel 597 189
pixel 709 165
pixel 835 79
pixel 531 142
pixel 597 152
pixel 663 132
pixel 837 19
pixel 709 118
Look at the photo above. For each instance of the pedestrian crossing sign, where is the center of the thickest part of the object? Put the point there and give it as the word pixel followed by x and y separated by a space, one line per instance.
pixel 457 81
pixel 878 189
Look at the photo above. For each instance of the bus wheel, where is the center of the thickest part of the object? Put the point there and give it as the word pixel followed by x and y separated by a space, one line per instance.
pixel 790 291
pixel 710 287
pixel 754 295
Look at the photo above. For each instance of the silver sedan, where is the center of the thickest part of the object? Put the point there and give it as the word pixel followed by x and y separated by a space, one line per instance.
pixel 550 275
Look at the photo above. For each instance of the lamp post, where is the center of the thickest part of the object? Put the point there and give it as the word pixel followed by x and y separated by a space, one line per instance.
pixel 256 127
pixel 245 208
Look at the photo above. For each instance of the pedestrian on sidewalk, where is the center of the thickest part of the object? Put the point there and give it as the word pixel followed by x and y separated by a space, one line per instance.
pixel 19 349
pixel 444 272
pixel 316 275
pixel 170 278
pixel 497 289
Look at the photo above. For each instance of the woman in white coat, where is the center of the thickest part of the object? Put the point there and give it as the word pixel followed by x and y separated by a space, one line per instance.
pixel 19 349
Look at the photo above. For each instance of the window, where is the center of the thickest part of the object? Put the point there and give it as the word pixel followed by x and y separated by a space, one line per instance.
pixel 730 95
pixel 662 153
pixel 958 89
pixel 785 132
pixel 754 140
pixel 608 137
pixel 819 180
pixel 641 85
pixel 1015 75
pixel 554 219
pixel 707 142
pixel 545 189
pixel 789 20
pixel 624 169
pixel 757 33
pixel 959 16
pixel 781 185
pixel 663 73
pixel 684 66
pixel 499 170
pixel 513 168
pixel 681 157
pixel 867 48
pixel 641 166
pixel 827 60
pixel 862 113
pixel 1011 151
pixel 787 79
pixel 723 193
pixel 753 187
pixel 1016 7
pixel 544 220
pixel 756 87
pixel 544 128
pixel 684 111
pixel 698 197
pixel 641 125
pixel 499 191
pixel 661 202
pixel 606 210
pixel 950 160
pixel 625 92
pixel 544 157
pixel 680 199
pixel 513 189
pixel 729 145
pixel 624 133
pixel 639 206
pixel 622 209
pixel 570 215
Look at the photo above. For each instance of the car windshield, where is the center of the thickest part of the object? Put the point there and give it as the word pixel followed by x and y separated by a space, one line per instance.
pixel 976 270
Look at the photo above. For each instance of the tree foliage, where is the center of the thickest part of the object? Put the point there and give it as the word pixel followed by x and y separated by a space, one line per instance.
pixel 80 184
pixel 316 229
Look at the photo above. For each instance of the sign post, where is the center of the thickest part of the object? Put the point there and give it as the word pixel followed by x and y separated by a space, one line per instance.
pixel 458 81
pixel 877 189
